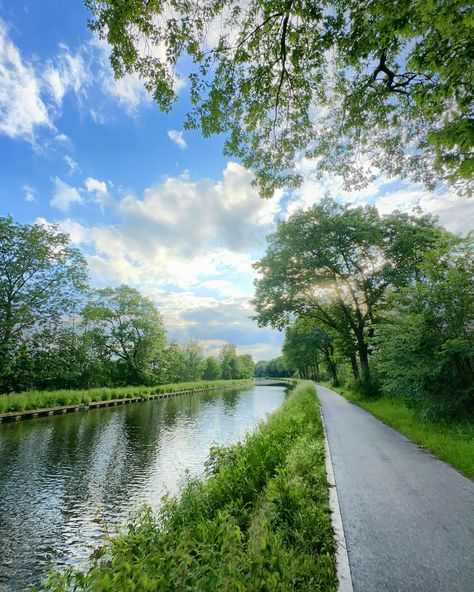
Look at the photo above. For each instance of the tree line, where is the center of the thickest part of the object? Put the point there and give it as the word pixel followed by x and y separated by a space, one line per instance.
pixel 386 302
pixel 56 332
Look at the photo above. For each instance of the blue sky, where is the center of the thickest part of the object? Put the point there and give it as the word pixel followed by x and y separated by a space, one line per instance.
pixel 148 204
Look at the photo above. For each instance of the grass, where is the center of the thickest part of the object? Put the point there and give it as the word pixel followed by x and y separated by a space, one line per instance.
pixel 453 443
pixel 45 399
pixel 259 522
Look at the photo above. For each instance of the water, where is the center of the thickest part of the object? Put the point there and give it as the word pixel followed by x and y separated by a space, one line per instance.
pixel 62 478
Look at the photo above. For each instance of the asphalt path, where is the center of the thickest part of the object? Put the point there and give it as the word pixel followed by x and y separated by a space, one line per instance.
pixel 408 517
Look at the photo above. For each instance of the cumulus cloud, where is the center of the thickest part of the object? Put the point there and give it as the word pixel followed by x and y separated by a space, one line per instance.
pixel 194 235
pixel 177 138
pixel 22 109
pixel 193 216
pixel 64 196
pixel 454 212
pixel 215 322
pixel 99 190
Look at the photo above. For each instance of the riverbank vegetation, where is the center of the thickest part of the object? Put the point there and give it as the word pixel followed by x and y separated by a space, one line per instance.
pixel 58 333
pixel 450 441
pixel 381 304
pixel 260 521
pixel 45 399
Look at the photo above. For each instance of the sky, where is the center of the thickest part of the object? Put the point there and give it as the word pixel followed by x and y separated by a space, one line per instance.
pixel 148 204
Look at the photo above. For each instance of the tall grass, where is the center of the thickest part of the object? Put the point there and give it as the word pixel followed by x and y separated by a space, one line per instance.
pixel 44 399
pixel 260 521
pixel 452 442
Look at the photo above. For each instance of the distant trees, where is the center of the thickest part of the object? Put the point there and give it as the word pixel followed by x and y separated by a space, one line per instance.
pixel 275 368
pixel 233 365
pixel 306 347
pixel 212 369
pixel 55 332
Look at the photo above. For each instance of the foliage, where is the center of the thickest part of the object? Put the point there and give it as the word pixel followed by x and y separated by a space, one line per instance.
pixel 44 399
pixel 324 81
pixel 57 334
pixel 193 361
pixel 260 522
pixel 42 278
pixel 276 368
pixel 452 442
pixel 212 369
pixel 336 265
pixel 130 328
pixel 234 365
pixel 427 338
pixel 306 346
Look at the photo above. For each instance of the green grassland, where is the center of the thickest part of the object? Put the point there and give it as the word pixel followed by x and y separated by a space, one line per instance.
pixel 453 442
pixel 259 521
pixel 45 399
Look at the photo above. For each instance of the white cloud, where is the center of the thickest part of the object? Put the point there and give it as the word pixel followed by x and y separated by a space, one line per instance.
pixel 67 72
pixel 64 195
pixel 22 109
pixel 99 190
pixel 181 233
pixel 177 138
pixel 71 163
pixel 456 213
pixel 128 91
pixel 29 193
pixel 94 185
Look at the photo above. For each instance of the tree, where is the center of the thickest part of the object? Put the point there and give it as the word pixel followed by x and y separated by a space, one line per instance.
pixel 227 360
pixel 212 369
pixel 193 361
pixel 132 330
pixel 261 369
pixel 427 338
pixel 42 279
pixel 328 81
pixel 336 265
pixel 246 367
pixel 306 346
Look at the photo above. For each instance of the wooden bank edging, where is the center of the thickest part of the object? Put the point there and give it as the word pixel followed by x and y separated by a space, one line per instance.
pixel 13 416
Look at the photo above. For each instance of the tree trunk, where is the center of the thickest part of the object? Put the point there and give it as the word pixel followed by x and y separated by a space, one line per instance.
pixel 364 361
pixel 316 368
pixel 355 367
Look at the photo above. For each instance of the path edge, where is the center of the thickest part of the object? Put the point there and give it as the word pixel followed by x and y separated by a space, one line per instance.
pixel 342 559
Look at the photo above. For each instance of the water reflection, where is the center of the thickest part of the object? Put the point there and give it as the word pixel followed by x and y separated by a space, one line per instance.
pixel 62 478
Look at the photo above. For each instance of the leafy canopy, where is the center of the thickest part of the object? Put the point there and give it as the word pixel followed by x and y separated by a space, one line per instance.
pixel 326 80
pixel 427 339
pixel 41 279
pixel 337 265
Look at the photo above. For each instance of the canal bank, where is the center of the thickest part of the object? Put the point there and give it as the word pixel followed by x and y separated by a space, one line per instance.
pixel 35 411
pixel 62 479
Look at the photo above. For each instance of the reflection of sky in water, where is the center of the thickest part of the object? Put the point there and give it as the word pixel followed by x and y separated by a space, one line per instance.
pixel 62 478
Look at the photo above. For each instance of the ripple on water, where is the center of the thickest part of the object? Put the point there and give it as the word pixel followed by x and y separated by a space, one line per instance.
pixel 63 478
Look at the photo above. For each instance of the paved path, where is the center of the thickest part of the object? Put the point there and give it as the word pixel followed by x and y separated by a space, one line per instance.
pixel 408 517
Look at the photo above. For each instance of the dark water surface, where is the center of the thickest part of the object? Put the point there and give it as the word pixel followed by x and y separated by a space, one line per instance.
pixel 62 478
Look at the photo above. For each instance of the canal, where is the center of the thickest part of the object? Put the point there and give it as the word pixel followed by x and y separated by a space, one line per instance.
pixel 64 479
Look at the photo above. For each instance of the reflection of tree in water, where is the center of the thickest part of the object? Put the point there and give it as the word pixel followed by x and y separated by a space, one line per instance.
pixel 56 473
pixel 230 398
